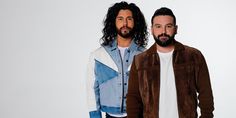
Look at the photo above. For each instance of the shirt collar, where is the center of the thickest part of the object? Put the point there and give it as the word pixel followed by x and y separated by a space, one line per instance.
pixel 133 46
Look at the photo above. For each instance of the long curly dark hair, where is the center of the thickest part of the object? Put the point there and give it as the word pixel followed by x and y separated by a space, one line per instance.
pixel 140 27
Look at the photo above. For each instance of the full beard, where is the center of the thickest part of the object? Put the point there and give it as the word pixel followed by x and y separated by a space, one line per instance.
pixel 125 32
pixel 164 39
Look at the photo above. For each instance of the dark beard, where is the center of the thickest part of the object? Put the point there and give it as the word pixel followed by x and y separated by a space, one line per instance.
pixel 129 33
pixel 164 43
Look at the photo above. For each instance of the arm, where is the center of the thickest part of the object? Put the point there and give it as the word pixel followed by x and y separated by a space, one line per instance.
pixel 92 90
pixel 134 101
pixel 204 89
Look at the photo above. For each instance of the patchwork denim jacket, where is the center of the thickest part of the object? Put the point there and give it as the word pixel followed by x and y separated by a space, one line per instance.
pixel 107 79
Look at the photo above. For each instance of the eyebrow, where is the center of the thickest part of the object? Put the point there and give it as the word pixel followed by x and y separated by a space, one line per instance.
pixel 130 17
pixel 123 17
pixel 166 24
pixel 170 24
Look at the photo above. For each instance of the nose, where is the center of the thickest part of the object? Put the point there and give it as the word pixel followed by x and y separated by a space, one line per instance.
pixel 164 30
pixel 125 22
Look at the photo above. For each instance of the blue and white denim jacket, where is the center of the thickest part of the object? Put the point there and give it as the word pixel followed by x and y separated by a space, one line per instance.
pixel 107 79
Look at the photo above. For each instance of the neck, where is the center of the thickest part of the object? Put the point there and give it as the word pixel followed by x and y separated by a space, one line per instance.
pixel 123 42
pixel 165 49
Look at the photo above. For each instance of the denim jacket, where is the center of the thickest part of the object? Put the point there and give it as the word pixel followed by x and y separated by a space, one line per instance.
pixel 107 79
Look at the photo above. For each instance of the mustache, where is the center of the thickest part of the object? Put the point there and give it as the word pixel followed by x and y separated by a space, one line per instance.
pixel 126 27
pixel 163 34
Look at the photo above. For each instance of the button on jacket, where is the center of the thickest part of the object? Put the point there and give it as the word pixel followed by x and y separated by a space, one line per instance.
pixel 191 78
pixel 107 79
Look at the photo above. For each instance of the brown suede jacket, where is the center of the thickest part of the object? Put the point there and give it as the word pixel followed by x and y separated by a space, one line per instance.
pixel 191 78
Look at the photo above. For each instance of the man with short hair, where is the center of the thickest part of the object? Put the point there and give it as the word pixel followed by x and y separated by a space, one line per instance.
pixel 169 80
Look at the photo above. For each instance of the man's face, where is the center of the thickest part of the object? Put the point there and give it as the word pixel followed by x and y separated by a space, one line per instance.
pixel 164 30
pixel 125 23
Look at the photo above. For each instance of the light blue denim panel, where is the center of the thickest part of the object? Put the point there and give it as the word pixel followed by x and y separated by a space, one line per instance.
pixel 103 73
pixel 110 93
pixel 95 114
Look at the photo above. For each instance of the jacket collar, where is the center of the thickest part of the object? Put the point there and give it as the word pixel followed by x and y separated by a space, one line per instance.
pixel 133 46
pixel 153 49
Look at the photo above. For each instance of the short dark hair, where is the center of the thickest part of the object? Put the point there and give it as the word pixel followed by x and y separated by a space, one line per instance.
pixel 140 27
pixel 163 11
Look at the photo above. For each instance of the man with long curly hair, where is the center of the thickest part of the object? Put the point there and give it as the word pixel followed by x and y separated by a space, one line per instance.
pixel 124 35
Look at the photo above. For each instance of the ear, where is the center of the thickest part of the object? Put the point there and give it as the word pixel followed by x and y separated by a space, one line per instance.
pixel 176 29
pixel 152 30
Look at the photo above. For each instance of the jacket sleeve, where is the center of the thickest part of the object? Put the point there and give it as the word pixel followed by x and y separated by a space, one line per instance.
pixel 134 102
pixel 204 89
pixel 92 90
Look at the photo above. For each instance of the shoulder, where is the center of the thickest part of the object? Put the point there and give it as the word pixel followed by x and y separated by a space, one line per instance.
pixel 99 52
pixel 101 49
pixel 192 51
pixel 194 54
pixel 142 55
pixel 144 59
pixel 147 53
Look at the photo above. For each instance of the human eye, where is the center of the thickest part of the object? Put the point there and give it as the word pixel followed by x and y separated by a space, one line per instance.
pixel 130 18
pixel 119 18
pixel 157 26
pixel 170 26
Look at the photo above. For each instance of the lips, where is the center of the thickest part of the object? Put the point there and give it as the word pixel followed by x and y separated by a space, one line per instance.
pixel 163 38
pixel 125 30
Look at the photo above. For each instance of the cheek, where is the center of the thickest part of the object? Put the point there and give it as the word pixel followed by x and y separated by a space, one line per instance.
pixel 131 24
pixel 156 32
pixel 172 32
pixel 118 25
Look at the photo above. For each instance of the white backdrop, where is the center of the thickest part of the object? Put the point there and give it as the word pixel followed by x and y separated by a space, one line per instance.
pixel 44 48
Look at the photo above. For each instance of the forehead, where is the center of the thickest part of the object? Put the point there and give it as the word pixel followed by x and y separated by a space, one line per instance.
pixel 124 12
pixel 163 19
